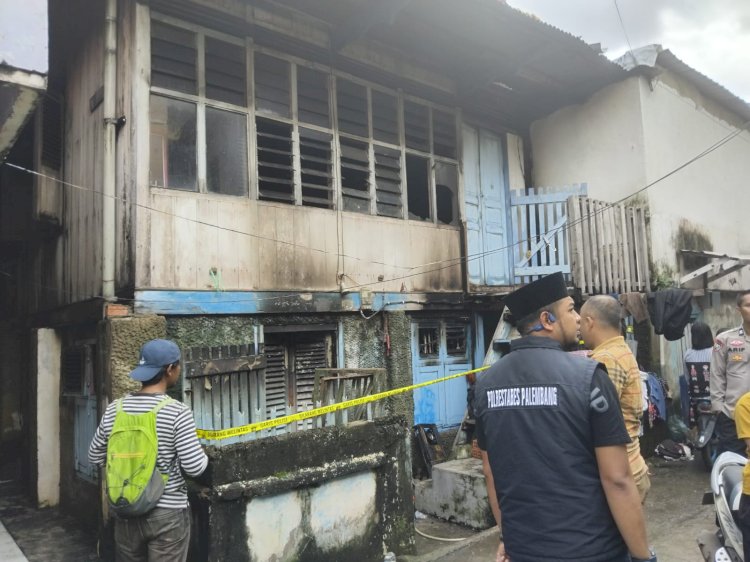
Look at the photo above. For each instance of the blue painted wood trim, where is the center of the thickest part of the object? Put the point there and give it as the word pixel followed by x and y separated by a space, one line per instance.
pixel 265 302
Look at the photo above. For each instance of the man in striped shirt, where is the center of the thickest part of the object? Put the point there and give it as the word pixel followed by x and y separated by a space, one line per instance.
pixel 164 533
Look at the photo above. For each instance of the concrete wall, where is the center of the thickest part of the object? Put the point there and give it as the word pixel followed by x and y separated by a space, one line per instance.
pixel 364 347
pixel 48 353
pixel 712 193
pixel 634 132
pixel 338 493
pixel 121 345
pixel 599 142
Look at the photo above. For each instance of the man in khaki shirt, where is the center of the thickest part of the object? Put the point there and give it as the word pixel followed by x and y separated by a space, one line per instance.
pixel 730 376
pixel 600 329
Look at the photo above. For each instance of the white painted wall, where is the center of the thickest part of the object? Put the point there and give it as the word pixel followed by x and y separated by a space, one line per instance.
pixel 335 513
pixel 599 142
pixel 48 353
pixel 631 134
pixel 713 191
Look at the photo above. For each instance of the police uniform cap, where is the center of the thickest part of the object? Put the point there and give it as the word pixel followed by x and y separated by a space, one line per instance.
pixel 540 293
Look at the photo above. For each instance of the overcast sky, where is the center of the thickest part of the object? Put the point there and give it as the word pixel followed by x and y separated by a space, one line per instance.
pixel 712 36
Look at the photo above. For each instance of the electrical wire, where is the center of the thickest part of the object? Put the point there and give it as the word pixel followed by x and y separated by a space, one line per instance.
pixel 624 31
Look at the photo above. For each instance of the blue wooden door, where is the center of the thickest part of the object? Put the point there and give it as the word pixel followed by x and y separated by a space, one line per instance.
pixel 486 203
pixel 440 348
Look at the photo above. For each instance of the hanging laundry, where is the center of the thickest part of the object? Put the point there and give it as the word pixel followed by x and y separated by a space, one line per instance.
pixel 670 311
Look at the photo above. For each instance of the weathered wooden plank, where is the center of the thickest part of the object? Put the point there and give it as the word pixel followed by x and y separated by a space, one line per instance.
pixel 625 237
pixel 644 252
pixel 595 247
pixel 575 237
pixel 606 247
pixel 614 218
pixel 559 253
pixel 215 366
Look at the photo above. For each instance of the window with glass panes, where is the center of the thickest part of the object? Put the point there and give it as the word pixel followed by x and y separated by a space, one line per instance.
pixel 198 111
pixel 321 139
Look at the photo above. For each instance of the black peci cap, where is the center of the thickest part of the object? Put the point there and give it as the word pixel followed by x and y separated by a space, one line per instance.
pixel 532 297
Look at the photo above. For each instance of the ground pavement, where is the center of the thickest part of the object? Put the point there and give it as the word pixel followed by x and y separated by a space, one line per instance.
pixel 674 514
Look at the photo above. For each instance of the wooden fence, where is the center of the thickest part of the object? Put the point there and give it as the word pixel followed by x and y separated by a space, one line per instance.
pixel 539 219
pixel 225 387
pixel 608 246
pixel 600 247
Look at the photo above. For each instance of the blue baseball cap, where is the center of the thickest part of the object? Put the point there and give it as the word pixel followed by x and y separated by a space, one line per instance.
pixel 155 355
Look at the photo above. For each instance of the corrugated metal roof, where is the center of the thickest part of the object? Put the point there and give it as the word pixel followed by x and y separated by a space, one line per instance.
pixel 650 57
pixel 508 64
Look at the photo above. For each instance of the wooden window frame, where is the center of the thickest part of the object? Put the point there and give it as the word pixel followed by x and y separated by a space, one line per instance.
pixel 251 113
pixel 201 101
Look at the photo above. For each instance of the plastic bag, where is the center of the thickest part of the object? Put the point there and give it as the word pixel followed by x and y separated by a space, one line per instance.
pixel 678 431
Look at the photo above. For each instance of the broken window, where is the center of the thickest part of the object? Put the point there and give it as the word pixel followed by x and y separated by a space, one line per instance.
pixel 312 97
pixel 173 58
pixel 418 187
pixel 429 340
pixel 388 181
pixel 446 189
pixel 351 100
pixel 316 165
pixel 355 175
pixel 173 138
pixel 275 167
pixel 455 339
pixel 226 152
pixel 272 85
pixel 225 72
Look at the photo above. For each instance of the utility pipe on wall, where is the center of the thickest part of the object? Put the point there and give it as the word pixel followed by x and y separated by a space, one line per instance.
pixel 108 172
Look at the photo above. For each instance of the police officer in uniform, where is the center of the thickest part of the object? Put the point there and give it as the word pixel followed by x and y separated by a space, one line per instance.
pixel 554 442
pixel 730 376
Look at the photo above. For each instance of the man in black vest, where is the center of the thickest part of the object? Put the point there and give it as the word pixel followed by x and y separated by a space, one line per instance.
pixel 554 442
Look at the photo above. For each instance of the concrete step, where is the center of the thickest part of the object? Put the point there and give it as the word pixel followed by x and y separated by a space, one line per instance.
pixel 456 492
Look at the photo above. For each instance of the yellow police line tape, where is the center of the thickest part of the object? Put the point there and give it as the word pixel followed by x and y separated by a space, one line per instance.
pixel 218 434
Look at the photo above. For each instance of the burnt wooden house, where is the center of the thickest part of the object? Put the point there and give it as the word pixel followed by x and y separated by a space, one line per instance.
pixel 299 185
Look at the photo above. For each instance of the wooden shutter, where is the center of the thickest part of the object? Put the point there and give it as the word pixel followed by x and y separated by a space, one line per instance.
pixel 388 181
pixel 316 168
pixel 275 169
pixel 355 175
pixel 276 379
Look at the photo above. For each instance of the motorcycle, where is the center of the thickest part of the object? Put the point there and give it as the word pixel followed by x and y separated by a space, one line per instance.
pixel 708 441
pixel 724 544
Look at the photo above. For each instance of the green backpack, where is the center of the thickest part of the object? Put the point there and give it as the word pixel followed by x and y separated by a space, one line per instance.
pixel 134 484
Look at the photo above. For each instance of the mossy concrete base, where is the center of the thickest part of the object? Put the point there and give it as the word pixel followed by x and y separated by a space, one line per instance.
pixel 122 341
pixel 457 492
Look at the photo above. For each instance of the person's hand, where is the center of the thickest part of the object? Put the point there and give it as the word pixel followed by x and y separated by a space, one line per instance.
pixel 501 556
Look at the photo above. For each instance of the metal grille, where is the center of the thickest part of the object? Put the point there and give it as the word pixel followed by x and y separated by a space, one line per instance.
pixel 73 371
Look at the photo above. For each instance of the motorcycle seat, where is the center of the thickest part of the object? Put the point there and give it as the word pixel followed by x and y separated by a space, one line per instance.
pixel 732 481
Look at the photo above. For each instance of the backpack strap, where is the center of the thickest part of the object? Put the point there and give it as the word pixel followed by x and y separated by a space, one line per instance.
pixel 161 404
pixel 119 405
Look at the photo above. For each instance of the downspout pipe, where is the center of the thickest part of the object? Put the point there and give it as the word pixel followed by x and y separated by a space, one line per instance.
pixel 110 130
